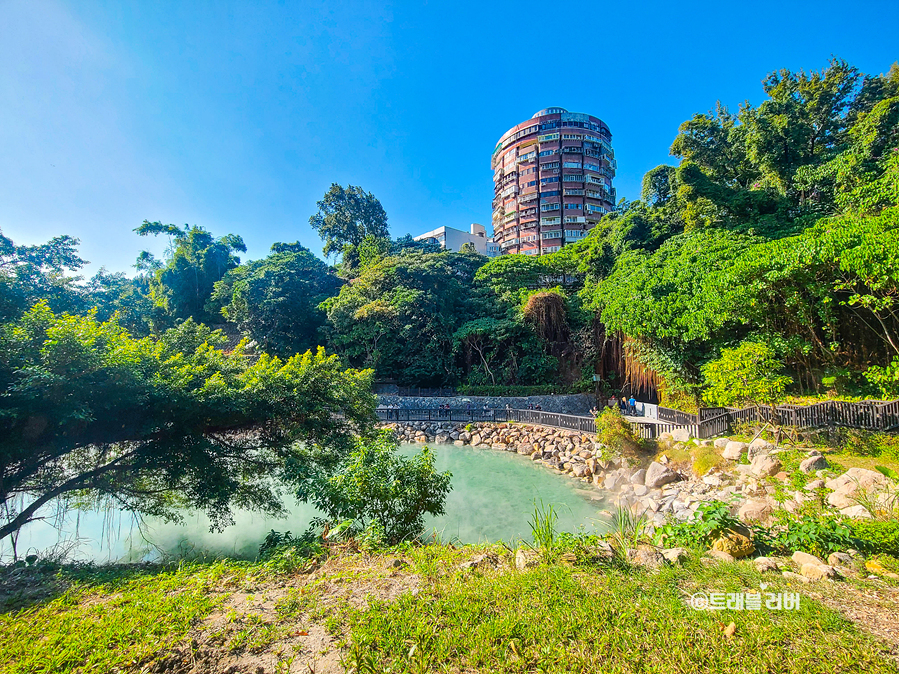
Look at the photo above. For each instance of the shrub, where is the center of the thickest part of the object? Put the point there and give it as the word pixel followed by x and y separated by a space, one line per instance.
pixel 817 536
pixel 712 518
pixel 876 536
pixel 377 484
pixel 866 443
pixel 613 431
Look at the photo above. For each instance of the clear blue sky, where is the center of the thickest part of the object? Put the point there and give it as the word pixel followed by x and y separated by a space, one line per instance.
pixel 238 116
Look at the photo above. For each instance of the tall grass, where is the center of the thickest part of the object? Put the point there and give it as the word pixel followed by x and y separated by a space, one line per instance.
pixel 543 528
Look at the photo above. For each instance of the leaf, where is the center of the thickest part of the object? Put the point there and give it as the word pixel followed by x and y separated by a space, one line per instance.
pixel 888 472
pixel 730 630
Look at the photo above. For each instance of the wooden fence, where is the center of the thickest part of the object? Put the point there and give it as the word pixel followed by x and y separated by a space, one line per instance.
pixel 875 415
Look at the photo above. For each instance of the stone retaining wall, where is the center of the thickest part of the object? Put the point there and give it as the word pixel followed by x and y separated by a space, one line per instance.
pixel 580 403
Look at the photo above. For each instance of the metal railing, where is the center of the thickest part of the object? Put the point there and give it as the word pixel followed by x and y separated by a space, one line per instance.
pixel 564 421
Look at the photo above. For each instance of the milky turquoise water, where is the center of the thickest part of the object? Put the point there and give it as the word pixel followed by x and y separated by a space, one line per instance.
pixel 492 499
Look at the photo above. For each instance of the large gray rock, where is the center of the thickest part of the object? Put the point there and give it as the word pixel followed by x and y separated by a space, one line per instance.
pixel 813 463
pixel 675 555
pixel 764 564
pixel 804 558
pixel 756 511
pixel 733 450
pixel 853 484
pixel 758 447
pixel 639 477
pixel 764 466
pixel 658 475
pixel 648 558
pixel 819 571
pixel 721 443
pixel 680 435
pixel 525 448
pixel 526 559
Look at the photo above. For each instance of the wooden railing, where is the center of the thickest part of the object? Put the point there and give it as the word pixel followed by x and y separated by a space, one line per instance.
pixel 875 415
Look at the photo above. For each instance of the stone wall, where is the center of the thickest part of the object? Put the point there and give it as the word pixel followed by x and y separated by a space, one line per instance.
pixel 579 404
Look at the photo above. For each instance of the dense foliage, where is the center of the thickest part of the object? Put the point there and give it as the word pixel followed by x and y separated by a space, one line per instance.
pixel 379 490
pixel 154 424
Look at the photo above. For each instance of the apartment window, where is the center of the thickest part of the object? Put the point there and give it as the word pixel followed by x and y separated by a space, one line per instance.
pixel 572 207
pixel 551 193
pixel 571 164
pixel 547 153
pixel 527 157
pixel 531 183
pixel 574 233
pixel 547 181
pixel 550 221
pixel 532 251
pixel 529 237
pixel 592 167
pixel 551 249
pixel 571 136
pixel 593 194
pixel 556 234
pixel 572 150
pixel 574 178
pixel 551 165
pixel 549 207
pixel 545 138
pixel 573 193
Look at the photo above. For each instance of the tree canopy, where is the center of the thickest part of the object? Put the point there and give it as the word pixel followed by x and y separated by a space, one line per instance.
pixel 158 424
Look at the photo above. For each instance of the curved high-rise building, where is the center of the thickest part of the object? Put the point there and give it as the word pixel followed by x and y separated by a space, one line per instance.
pixel 553 181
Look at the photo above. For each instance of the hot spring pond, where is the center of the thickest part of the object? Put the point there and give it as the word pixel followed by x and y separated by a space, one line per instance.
pixel 492 499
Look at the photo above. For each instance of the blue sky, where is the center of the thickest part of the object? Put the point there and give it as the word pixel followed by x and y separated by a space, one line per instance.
pixel 238 116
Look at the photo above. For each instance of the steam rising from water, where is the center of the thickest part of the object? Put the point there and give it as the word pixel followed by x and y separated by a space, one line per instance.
pixel 492 499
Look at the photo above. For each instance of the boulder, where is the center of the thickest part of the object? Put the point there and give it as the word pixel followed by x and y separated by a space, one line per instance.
pixel 765 564
pixel 639 477
pixel 735 544
pixel 857 512
pixel 721 443
pixel 852 484
pixel 525 448
pixel 680 435
pixel 733 450
pixel 580 470
pixel 789 575
pixel 675 555
pixel 476 439
pixel 764 466
pixel 601 550
pixel 811 485
pixel 658 475
pixel 818 571
pixel 758 447
pixel 720 555
pixel 804 558
pixel 442 439
pixel 839 559
pixel 756 511
pixel 813 463
pixel 648 558
pixel 640 490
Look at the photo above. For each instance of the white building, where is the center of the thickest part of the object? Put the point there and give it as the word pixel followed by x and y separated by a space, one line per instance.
pixel 450 238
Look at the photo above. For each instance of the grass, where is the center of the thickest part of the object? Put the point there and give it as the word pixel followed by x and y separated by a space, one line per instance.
pixel 110 625
pixel 557 619
pixel 584 617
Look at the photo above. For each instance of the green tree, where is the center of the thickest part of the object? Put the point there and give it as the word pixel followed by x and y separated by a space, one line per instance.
pixel 378 487
pixel 745 375
pixel 156 425
pixel 32 273
pixel 346 215
pixel 181 286
pixel 275 301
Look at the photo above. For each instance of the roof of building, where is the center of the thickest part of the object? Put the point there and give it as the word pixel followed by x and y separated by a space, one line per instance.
pixel 549 111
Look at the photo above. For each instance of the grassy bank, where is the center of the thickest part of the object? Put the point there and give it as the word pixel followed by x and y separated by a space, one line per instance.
pixel 418 610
